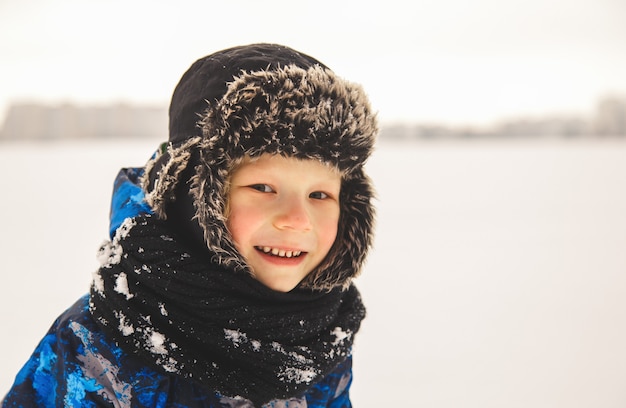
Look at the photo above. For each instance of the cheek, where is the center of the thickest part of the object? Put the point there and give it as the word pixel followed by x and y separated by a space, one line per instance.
pixel 327 232
pixel 240 224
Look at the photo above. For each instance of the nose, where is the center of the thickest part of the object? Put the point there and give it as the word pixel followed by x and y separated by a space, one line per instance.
pixel 292 214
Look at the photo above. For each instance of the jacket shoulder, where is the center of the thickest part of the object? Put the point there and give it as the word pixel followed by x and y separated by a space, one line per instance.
pixel 76 365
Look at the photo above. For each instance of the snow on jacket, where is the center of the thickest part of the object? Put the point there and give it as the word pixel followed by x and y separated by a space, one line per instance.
pixel 75 365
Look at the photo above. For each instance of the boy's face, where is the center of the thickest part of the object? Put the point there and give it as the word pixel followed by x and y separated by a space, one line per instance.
pixel 283 217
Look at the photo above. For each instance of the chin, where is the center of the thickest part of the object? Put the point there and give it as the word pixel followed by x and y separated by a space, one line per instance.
pixel 279 285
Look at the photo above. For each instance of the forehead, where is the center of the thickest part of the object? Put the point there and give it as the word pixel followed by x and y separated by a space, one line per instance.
pixel 278 164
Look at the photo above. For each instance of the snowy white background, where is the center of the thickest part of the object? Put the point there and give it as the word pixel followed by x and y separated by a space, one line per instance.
pixel 498 278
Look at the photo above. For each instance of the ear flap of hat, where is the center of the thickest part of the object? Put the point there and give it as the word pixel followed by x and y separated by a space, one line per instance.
pixel 162 174
pixel 354 236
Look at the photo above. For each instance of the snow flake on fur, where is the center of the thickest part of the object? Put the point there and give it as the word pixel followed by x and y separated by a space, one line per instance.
pixel 298 375
pixel 235 336
pixel 110 252
pixel 121 286
pixel 125 327
pixel 340 335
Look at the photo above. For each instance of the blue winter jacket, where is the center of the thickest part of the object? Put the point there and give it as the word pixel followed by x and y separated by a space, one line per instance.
pixel 75 365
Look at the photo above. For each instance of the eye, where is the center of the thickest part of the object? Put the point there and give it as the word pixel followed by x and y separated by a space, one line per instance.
pixel 318 195
pixel 263 188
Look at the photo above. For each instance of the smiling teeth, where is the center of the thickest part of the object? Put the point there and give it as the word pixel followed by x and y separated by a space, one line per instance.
pixel 280 252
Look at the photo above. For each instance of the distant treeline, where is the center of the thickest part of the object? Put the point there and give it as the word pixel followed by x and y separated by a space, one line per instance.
pixel 608 119
pixel 32 121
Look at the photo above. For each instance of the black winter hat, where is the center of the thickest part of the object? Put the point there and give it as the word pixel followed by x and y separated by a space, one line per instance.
pixel 206 81
pixel 250 100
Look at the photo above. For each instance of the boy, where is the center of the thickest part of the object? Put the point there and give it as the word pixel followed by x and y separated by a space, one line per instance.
pixel 227 282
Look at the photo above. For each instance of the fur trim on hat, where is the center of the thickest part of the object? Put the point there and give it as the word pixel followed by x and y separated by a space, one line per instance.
pixel 305 113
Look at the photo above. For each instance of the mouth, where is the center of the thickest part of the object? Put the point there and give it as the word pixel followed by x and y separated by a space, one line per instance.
pixel 278 252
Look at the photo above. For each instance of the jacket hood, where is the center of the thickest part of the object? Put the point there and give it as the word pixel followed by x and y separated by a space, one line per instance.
pixel 252 100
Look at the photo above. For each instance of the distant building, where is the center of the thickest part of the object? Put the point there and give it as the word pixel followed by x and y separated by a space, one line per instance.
pixel 610 117
pixel 608 120
pixel 30 121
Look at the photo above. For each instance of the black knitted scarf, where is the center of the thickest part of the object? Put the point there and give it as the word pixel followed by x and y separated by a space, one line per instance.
pixel 224 329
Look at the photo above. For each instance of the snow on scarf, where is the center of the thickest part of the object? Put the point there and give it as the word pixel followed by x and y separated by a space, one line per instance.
pixel 226 330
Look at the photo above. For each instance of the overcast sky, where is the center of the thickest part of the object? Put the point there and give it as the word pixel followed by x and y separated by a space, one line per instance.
pixel 455 61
